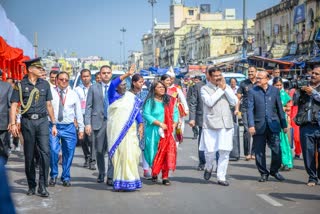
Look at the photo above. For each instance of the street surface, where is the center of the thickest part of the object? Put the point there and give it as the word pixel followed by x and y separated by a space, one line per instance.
pixel 188 193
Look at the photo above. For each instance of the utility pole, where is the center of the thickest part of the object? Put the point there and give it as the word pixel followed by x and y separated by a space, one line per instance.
pixel 245 32
pixel 123 30
pixel 35 45
pixel 153 2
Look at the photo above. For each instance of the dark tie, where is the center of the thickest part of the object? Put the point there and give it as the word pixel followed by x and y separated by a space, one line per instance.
pixel 105 102
pixel 60 114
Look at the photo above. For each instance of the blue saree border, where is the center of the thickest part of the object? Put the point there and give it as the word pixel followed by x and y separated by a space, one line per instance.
pixel 132 117
pixel 127 185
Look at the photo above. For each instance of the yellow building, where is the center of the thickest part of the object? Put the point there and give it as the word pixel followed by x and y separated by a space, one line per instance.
pixel 96 64
pixel 287 28
pixel 195 34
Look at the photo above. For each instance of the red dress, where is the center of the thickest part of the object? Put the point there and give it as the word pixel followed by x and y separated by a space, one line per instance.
pixel 166 156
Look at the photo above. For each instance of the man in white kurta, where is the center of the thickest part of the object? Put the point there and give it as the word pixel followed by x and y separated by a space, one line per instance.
pixel 217 133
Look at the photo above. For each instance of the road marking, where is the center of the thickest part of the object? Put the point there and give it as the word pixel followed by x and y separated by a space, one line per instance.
pixel 194 158
pixel 270 200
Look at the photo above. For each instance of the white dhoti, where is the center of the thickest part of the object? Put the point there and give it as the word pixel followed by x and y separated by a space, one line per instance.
pixel 213 141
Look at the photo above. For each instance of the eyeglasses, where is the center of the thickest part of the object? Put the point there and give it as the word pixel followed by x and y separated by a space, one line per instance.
pixel 260 78
pixel 63 80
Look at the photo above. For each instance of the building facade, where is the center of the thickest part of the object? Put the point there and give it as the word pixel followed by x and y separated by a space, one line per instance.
pixel 195 35
pixel 288 28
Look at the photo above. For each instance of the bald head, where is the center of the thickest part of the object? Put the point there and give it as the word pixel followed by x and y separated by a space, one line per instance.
pixel 262 79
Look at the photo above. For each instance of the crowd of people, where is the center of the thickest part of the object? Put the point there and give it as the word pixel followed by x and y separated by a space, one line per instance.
pixel 122 125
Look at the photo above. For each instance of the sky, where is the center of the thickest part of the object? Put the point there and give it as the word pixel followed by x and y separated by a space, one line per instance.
pixel 92 27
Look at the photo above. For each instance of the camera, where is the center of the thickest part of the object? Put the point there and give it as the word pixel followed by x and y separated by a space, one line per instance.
pixel 303 80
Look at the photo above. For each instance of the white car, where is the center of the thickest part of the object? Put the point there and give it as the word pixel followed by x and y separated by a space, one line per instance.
pixel 239 77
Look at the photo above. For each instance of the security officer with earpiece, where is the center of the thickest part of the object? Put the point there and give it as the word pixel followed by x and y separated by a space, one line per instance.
pixel 35 97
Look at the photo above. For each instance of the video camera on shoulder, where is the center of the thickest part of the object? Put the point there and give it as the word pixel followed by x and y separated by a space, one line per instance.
pixel 303 80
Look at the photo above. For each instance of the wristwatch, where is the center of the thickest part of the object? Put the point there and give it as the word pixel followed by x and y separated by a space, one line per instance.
pixel 54 124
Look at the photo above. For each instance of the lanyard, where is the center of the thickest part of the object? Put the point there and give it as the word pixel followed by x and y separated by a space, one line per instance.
pixel 62 100
pixel 84 92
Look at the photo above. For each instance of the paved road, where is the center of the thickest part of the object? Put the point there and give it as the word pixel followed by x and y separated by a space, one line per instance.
pixel 188 193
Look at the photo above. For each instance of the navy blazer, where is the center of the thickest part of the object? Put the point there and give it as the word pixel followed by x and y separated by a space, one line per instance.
pixel 265 108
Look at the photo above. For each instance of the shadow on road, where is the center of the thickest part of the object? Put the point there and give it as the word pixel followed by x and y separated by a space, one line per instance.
pixel 191 180
pixel 256 178
pixel 292 196
pixel 186 168
pixel 250 166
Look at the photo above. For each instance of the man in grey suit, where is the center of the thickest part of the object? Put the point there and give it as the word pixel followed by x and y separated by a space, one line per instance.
pixel 5 95
pixel 196 115
pixel 96 122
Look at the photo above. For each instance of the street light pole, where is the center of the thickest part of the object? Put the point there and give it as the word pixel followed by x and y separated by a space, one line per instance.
pixel 245 32
pixel 152 2
pixel 123 30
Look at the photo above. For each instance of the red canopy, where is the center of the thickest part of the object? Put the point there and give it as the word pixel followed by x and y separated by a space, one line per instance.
pixel 11 61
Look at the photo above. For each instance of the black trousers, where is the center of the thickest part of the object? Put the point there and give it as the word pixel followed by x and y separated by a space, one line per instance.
pixel 310 141
pixel 86 145
pixel 202 158
pixel 246 135
pixel 273 141
pixel 36 136
pixel 4 144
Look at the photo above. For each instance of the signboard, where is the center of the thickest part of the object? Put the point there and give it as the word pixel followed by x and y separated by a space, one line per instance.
pixel 293 49
pixel 276 29
pixel 299 14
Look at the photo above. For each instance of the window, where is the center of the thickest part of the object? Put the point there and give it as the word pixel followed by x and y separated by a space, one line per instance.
pixel 191 12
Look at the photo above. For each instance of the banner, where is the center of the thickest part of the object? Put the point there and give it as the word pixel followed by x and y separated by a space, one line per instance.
pixel 299 14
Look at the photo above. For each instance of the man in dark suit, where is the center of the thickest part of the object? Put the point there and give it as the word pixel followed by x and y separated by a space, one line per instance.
pixel 5 95
pixel 96 122
pixel 266 118
pixel 196 116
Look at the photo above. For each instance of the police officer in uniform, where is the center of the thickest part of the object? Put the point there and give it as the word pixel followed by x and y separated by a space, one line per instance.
pixel 35 96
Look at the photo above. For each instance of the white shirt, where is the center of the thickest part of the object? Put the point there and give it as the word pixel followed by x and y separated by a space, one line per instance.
pixel 82 92
pixel 72 107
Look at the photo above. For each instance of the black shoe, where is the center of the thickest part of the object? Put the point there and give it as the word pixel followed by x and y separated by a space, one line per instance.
pixel 223 183
pixel 109 182
pixel 86 163
pixel 278 176
pixel 201 167
pixel 100 178
pixel 263 178
pixel 195 137
pixel 166 182
pixel 66 183
pixel 296 156
pixel 42 191
pixel 207 174
pixel 154 179
pixel 31 191
pixel 92 166
pixel 53 182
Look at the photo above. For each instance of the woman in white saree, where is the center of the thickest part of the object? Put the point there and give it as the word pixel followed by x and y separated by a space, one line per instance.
pixel 123 143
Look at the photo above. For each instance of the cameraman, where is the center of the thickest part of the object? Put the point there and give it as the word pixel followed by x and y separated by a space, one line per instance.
pixel 308 100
